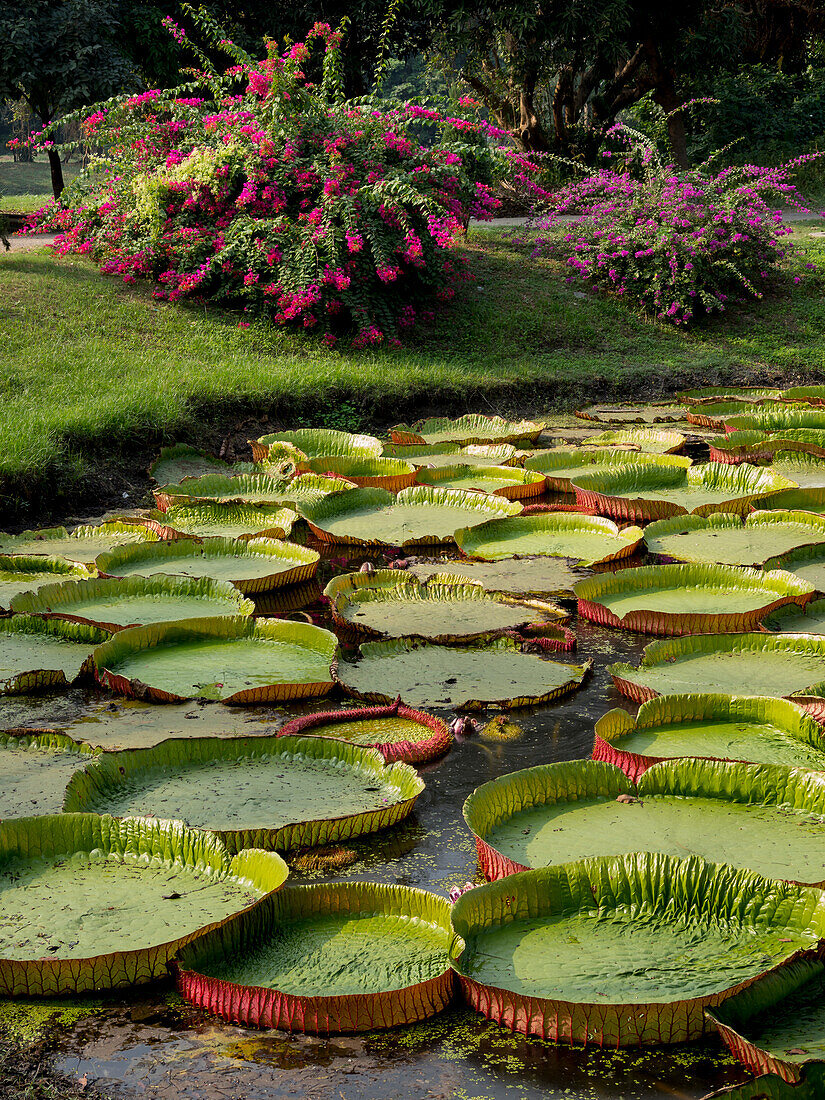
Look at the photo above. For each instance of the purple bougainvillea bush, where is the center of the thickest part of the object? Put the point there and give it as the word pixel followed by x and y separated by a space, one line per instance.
pixel 259 190
pixel 682 243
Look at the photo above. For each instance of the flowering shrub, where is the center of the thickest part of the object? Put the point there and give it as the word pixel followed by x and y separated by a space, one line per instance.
pixel 256 188
pixel 682 243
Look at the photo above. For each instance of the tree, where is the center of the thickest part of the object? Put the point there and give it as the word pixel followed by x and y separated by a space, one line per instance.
pixel 59 55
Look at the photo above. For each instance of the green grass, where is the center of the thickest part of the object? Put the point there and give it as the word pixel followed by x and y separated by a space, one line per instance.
pixel 29 186
pixel 95 370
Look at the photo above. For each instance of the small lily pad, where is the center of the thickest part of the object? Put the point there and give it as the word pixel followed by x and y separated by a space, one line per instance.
pixel 645 440
pixel 564 464
pixel 450 454
pixel 34 770
pixel 472 428
pixel 180 461
pixel 381 473
pixel 730 540
pixel 553 534
pixel 230 521
pixel 661 413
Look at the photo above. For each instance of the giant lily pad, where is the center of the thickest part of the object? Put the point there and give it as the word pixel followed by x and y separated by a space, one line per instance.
pixel 756 729
pixel 521 577
pixel 418 516
pixel 498 672
pixel 314 442
pixel 777 1025
pixel 504 481
pixel 642 492
pixel 473 428
pixel 113 602
pixel 27 572
pixel 231 659
pixel 450 454
pixel 89 903
pixel 760 816
pixel 561 466
pixel 633 414
pixel 814 395
pixel 180 461
pixel 795 620
pixel 640 439
pixel 729 664
pixel 84 543
pixel 381 473
pixel 807 470
pixel 551 534
pixel 777 418
pixel 35 653
pixel 333 957
pixel 746 394
pixel 254 565
pixel 802 500
pixel 757 446
pixel 679 935
pixel 727 540
pixel 249 489
pixel 34 770
pixel 263 792
pixel 396 731
pixel 230 521
pixel 445 608
pixel 714 414
pixel 808 562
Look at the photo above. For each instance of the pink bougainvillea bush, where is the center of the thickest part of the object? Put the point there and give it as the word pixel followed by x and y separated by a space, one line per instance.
pixel 682 243
pixel 262 191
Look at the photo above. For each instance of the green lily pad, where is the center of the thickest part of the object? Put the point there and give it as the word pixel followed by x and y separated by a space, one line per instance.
pixel 113 603
pixel 335 957
pixel 680 935
pixel 472 428
pixel 808 471
pixel 83 544
pixel 728 540
pixel 755 729
pixel 552 534
pixel 34 771
pixel 777 418
pixel 230 521
pixel 752 394
pixel 88 903
pixel 802 500
pixel 813 394
pixel 249 489
pixel 390 603
pixel 562 465
pixel 314 442
pixel 808 562
pixel 381 473
pixel 472 677
pixel 504 481
pixel 641 492
pixel 795 620
pixel 777 1025
pixel 762 817
pixel 715 414
pixel 421 515
pixel 688 599
pixel 755 446
pixel 728 664
pixel 180 461
pixel 235 660
pixel 640 439
pixel 37 653
pixel 661 413
pixel 27 572
pixel 450 454
pixel 253 565
pixel 522 577
pixel 262 792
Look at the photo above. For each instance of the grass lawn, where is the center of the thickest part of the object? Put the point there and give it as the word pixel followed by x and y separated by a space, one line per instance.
pixel 29 186
pixel 96 374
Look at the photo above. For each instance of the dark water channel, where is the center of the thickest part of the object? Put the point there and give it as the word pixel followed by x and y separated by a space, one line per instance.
pixel 147 1043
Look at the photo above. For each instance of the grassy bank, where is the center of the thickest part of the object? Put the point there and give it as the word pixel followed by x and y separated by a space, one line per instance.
pixel 95 374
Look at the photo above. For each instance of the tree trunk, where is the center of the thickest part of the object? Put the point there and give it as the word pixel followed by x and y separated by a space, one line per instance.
pixel 57 172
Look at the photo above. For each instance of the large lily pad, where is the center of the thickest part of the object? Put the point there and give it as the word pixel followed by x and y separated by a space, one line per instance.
pixel 758 446
pixel 808 562
pixel 660 413
pixel 802 500
pixel 755 729
pixel 450 454
pixel 680 935
pixel 499 672
pixel 777 418
pixel 523 577
pixel 473 428
pixel 728 540
pixel 561 466
pixel 83 544
pixel 262 792
pixel 504 481
pixel 418 516
pixel 645 440
pixel 113 602
pixel 728 664
pixel 808 471
pixel 34 770
pixel 381 473
pixel 714 414
pixel 249 489
pixel 314 442
pixel 746 394
pixel 795 620
pixel 396 731
pixel 253 565
pixel 641 492
pixel 777 1025
pixel 764 817
pixel 446 608
pixel 180 461
pixel 36 653
pixel 89 903
pixel 230 521
pixel 815 395
pixel 334 957
pixel 231 659
pixel 27 572
pixel 589 539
